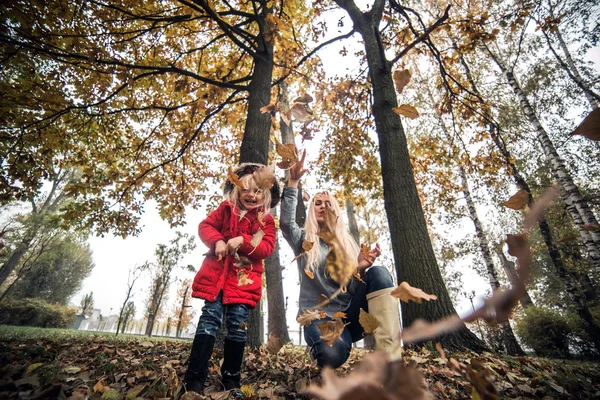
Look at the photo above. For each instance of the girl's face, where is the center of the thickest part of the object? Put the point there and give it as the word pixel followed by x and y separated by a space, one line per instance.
pixel 251 198
pixel 321 200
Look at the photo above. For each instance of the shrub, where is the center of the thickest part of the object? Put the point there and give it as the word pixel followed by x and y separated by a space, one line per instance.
pixel 545 331
pixel 35 312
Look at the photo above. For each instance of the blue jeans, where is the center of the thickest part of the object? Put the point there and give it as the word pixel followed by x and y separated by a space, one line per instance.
pixel 212 318
pixel 376 278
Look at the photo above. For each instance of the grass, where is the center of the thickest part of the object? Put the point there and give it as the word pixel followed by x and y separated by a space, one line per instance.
pixel 10 332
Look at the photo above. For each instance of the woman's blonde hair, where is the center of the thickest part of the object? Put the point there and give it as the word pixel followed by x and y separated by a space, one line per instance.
pixel 247 180
pixel 313 256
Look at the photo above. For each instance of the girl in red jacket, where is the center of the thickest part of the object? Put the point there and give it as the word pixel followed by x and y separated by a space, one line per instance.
pixel 240 233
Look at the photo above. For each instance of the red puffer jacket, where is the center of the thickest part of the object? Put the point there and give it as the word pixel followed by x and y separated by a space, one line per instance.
pixel 214 275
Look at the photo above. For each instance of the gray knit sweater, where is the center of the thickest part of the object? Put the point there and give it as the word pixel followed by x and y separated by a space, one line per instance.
pixel 310 289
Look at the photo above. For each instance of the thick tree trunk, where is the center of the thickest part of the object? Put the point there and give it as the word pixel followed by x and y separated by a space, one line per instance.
pixel 508 337
pixel 10 265
pixel 150 325
pixel 413 253
pixel 276 321
pixel 576 205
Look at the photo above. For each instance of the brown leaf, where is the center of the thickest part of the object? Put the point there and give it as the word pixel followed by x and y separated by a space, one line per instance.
pixel 286 151
pixel 331 331
pixel 407 293
pixel 591 227
pixel 308 273
pixel 421 330
pixel 407 110
pixel 274 344
pixel 590 126
pixel 264 177
pixel 373 378
pixel 539 207
pixel 234 179
pixel 368 322
pixel 307 246
pixel 401 79
pixel 244 325
pixel 243 279
pixel 517 201
pixel 304 99
pixel 99 386
pixel 271 108
pixel 301 112
pixel 307 316
pixel 338 265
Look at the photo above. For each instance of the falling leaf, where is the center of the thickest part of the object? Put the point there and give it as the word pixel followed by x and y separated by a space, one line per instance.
pixel 274 343
pixel 304 99
pixel 307 246
pixel 368 322
pixel 271 109
pixel 243 279
pixel 286 151
pixel 322 300
pixel 407 110
pixel 421 330
pixel 309 274
pixel 338 265
pixel 234 179
pixel 591 227
pixel 517 201
pixel 307 316
pixel 339 314
pixel 407 293
pixel 257 238
pixel 364 249
pixel 358 277
pixel 264 177
pixel 539 207
pixel 401 79
pixel 301 112
pixel 373 378
pixel 590 126
pixel 331 331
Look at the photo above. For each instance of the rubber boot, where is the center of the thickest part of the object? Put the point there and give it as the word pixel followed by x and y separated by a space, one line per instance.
pixel 384 307
pixel 197 371
pixel 233 354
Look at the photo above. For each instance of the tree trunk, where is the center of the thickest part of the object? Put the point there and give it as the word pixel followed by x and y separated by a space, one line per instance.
pixel 508 337
pixel 10 265
pixel 183 306
pixel 413 253
pixel 276 322
pixel 576 205
pixel 150 325
pixel 256 330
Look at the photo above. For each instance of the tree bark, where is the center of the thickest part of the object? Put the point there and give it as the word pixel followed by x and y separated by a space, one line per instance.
pixel 576 205
pixel 180 317
pixel 413 253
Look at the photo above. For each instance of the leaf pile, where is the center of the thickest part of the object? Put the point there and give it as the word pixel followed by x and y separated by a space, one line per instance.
pixel 105 368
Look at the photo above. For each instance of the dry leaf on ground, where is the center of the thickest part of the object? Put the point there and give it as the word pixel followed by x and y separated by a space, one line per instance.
pixel 407 293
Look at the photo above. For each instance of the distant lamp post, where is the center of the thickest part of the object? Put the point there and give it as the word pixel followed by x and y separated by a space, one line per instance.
pixel 471 296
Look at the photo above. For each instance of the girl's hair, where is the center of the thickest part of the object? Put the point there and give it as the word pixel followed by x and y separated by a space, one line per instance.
pixel 313 256
pixel 247 180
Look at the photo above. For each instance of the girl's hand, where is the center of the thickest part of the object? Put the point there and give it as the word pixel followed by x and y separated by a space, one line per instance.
pixel 366 262
pixel 235 243
pixel 297 171
pixel 220 249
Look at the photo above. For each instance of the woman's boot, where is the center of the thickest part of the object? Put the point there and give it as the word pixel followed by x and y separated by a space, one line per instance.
pixel 384 307
pixel 233 354
pixel 197 371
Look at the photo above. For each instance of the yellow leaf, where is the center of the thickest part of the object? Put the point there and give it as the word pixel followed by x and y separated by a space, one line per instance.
pixel 331 331
pixel 32 368
pixel 99 386
pixel 367 321
pixel 243 279
pixel 234 179
pixel 407 110
pixel 590 126
pixel 407 293
pixel 307 246
pixel 401 79
pixel 517 201
pixel 286 151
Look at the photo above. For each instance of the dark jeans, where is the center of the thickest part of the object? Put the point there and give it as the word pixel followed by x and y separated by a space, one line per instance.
pixel 376 278
pixel 212 318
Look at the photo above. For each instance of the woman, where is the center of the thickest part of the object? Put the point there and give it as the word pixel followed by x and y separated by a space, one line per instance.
pixel 371 292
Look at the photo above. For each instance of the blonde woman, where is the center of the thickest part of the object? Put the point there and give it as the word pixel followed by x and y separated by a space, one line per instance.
pixel 371 294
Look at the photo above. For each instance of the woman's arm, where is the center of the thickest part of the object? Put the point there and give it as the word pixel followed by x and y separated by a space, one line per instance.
pixel 289 200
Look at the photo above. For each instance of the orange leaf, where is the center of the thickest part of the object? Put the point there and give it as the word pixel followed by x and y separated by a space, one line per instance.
pixel 407 293
pixel 590 126
pixel 407 110
pixel 364 249
pixel 310 274
pixel 517 201
pixel 331 331
pixel 286 151
pixel 401 79
pixel 271 108
pixel 339 314
pixel 234 179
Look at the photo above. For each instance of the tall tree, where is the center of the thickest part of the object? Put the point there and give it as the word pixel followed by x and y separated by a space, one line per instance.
pixel 127 315
pixel 184 312
pixel 168 258
pixel 133 275
pixel 87 304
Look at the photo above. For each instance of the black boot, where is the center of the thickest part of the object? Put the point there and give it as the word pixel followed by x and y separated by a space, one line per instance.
pixel 197 371
pixel 233 354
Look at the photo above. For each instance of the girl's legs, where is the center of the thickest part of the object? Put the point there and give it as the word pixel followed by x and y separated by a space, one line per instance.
pixel 332 356
pixel 204 342
pixel 233 347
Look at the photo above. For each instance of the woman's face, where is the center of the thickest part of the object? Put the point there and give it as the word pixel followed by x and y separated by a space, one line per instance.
pixel 321 200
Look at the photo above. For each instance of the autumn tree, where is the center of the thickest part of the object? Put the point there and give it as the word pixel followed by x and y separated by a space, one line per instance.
pixel 183 313
pixel 87 304
pixel 127 316
pixel 168 258
pixel 133 275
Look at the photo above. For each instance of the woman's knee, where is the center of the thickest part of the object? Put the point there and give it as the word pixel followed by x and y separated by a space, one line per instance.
pixel 378 277
pixel 330 356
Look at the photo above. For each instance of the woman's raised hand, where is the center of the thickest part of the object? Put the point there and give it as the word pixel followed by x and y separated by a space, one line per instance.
pixel 366 262
pixel 297 171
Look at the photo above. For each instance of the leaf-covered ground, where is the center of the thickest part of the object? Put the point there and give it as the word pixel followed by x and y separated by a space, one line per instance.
pixel 66 364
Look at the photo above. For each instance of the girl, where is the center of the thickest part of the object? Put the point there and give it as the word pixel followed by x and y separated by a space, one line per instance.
pixel 240 233
pixel 371 292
